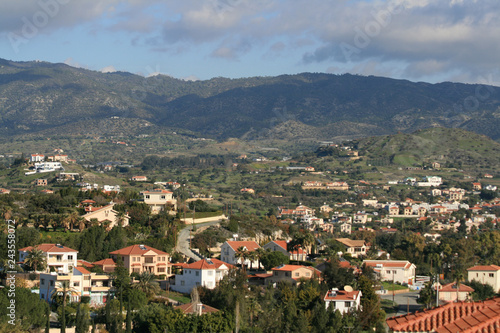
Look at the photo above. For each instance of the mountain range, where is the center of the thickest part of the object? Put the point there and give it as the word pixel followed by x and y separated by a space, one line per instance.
pixel 41 97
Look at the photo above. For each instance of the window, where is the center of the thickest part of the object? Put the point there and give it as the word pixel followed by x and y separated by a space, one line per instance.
pixel 70 257
pixel 86 277
pixel 491 275
pixel 76 284
pixel 163 197
pixel 161 270
pixel 394 272
pixel 183 283
pixel 51 283
pixel 42 281
pixel 347 304
pixel 296 274
pixel 388 272
pixel 147 196
pixel 197 273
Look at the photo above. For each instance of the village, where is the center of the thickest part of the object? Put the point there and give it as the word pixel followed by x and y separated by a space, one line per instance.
pixel 336 243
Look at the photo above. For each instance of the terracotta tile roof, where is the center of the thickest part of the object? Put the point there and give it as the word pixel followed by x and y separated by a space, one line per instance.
pixel 250 246
pixel 136 250
pixel 342 295
pixel 260 275
pixel 191 308
pixel 470 317
pixel 291 268
pixel 84 263
pixel 283 244
pixel 156 191
pixel 82 270
pixel 351 243
pixel 484 268
pixel 208 264
pixel 388 263
pixel 105 262
pixel 451 287
pixel 48 248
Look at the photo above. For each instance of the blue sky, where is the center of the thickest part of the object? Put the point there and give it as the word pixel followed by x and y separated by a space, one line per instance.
pixel 419 40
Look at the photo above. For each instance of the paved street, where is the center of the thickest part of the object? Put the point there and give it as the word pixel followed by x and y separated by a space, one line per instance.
pixel 183 240
pixel 403 300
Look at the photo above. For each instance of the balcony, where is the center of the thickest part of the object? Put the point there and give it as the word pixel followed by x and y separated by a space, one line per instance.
pixel 99 289
pixel 59 261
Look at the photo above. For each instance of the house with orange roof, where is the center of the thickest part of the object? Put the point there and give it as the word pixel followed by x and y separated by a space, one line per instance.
pixel 400 271
pixel 343 300
pixel 139 179
pixel 4 191
pixel 450 291
pixel 476 186
pixel 37 158
pixel 107 265
pixel 453 317
pixel 282 246
pixel 196 308
pixel 142 258
pixel 106 215
pixel 206 273
pixel 229 252
pixel 59 258
pixel 81 281
pixel 355 248
pixel 292 273
pixel 489 274
pixel 159 200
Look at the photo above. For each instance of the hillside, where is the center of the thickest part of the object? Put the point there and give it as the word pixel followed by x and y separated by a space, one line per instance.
pixel 450 147
pixel 45 98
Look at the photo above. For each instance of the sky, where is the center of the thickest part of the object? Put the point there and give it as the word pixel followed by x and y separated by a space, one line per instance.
pixel 418 40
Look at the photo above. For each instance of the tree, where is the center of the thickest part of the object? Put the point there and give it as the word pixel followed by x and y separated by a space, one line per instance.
pixel 481 291
pixel 273 259
pixel 335 276
pixel 242 254
pixel 371 314
pixel 147 285
pixel 30 309
pixel 36 259
pixel 82 320
pixel 427 295
pixel 66 290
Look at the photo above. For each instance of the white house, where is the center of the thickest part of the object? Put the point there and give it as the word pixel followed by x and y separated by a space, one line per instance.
pixel 206 272
pixel 48 166
pixel 158 199
pixel 37 158
pixel 81 283
pixel 230 248
pixel 486 275
pixel 400 271
pixel 431 181
pixel 343 300
pixel 60 258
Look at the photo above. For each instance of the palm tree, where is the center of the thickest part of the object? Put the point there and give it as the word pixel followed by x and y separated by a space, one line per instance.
pixel 242 253
pixel 259 253
pixel 459 277
pixel 66 290
pixel 36 259
pixel 147 284
pixel 71 220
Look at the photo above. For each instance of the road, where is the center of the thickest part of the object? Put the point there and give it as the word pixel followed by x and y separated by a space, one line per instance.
pixel 404 301
pixel 183 240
